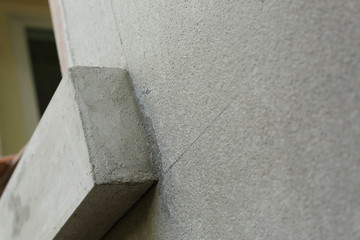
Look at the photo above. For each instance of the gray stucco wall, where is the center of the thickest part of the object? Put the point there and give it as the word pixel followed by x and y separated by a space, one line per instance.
pixel 255 106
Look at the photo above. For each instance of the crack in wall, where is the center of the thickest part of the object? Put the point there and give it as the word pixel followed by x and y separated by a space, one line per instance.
pixel 201 134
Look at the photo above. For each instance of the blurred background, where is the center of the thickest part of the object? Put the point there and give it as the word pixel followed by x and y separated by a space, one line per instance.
pixel 29 69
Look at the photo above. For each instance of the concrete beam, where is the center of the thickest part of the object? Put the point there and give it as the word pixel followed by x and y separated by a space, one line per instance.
pixel 86 164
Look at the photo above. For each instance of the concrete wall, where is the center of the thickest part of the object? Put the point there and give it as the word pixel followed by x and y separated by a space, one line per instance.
pixel 252 109
pixel 255 106
pixel 86 34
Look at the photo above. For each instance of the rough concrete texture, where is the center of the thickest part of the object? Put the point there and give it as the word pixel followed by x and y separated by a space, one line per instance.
pixel 82 169
pixel 115 135
pixel 86 33
pixel 255 106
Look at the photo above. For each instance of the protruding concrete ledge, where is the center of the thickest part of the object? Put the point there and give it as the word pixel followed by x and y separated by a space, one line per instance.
pixel 86 164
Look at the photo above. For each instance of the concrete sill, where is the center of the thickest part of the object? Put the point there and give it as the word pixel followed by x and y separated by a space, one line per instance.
pixel 86 164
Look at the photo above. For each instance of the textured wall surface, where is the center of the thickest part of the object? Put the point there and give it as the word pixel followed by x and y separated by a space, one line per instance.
pixel 86 34
pixel 255 106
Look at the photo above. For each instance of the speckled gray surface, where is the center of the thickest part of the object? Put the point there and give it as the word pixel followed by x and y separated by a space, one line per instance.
pixel 113 130
pixel 89 33
pixel 255 106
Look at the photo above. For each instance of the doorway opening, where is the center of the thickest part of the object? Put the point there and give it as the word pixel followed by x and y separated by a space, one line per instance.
pixel 44 64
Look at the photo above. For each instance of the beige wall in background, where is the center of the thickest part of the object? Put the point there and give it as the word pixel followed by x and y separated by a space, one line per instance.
pixel 13 123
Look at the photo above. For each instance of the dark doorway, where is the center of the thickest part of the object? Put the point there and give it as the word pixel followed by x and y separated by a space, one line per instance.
pixel 44 63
